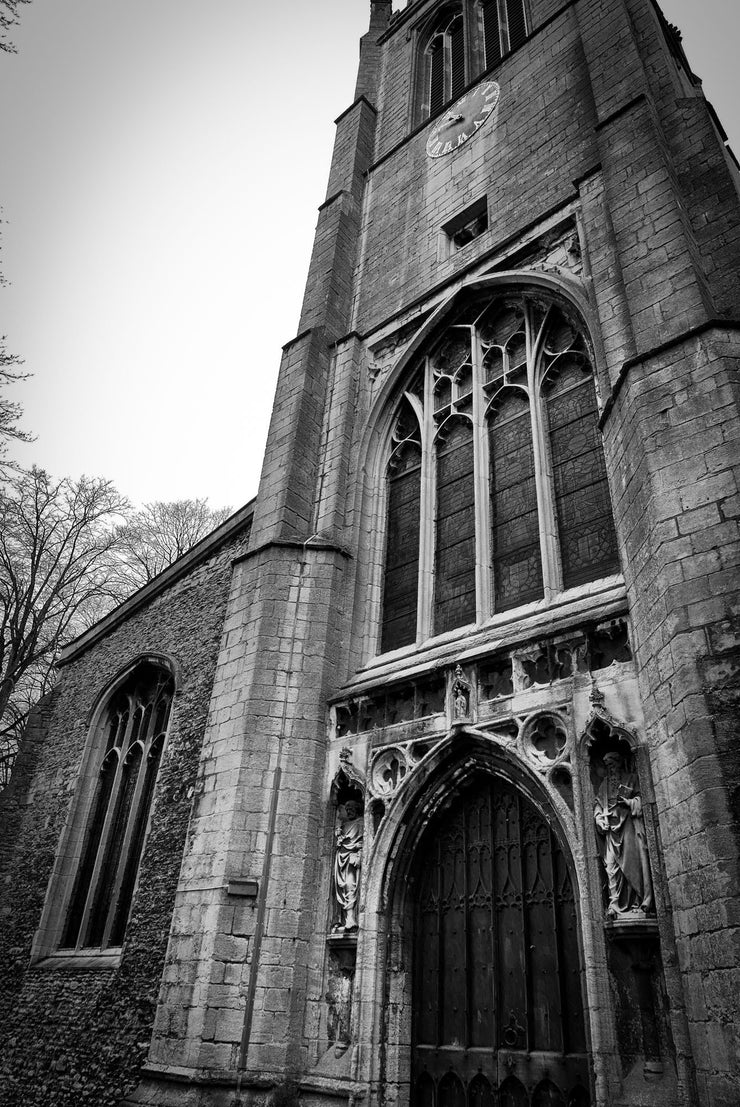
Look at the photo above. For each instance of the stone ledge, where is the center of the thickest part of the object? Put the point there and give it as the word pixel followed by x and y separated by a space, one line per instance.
pixel 655 351
pixel 70 962
pixel 596 600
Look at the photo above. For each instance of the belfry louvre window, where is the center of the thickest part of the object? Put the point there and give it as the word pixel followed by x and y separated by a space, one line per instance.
pixel 444 61
pixel 463 42
pixel 496 484
pixel 128 751
pixel 504 28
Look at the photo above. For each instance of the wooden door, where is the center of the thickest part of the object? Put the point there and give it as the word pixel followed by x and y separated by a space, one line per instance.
pixel 497 1013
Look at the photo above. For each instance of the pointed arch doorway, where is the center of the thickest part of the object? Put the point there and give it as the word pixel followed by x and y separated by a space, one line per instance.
pixel 497 1000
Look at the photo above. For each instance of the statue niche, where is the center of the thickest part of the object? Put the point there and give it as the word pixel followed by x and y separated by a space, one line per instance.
pixel 460 694
pixel 620 832
pixel 348 794
pixel 339 999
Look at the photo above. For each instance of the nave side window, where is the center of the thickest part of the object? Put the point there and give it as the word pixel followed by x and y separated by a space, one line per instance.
pixel 126 758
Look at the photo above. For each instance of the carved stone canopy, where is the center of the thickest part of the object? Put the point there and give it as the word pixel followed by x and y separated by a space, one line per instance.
pixel 601 727
pixel 461 689
pixel 348 781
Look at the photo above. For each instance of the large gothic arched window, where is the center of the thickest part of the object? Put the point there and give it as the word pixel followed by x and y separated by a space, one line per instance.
pixel 496 484
pixel 127 751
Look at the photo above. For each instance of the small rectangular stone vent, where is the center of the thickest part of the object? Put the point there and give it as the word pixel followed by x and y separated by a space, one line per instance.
pixel 466 226
pixel 242 886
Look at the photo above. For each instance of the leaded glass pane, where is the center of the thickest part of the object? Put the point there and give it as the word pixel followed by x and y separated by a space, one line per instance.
pixel 402 553
pixel 517 563
pixel 454 592
pixel 588 547
pixel 400 584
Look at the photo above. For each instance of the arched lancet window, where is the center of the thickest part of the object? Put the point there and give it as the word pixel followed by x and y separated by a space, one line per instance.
pixel 497 490
pixel 403 520
pixel 462 41
pixel 444 69
pixel 127 753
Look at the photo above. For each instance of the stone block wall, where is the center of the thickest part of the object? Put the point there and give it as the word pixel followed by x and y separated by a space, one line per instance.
pixel 235 979
pixel 586 167
pixel 673 443
pixel 524 160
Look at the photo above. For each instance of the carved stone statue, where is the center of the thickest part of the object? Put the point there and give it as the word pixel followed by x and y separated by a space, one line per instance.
pixel 347 860
pixel 460 694
pixel 623 845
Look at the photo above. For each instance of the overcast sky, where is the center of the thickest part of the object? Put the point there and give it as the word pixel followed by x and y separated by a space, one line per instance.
pixel 162 163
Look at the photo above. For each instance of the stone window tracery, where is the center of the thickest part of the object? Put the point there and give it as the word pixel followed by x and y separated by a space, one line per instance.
pixel 126 757
pixel 496 484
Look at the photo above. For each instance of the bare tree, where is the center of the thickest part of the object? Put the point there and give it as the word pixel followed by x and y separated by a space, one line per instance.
pixel 35 683
pixel 10 373
pixel 69 552
pixel 9 18
pixel 10 410
pixel 58 541
pixel 158 533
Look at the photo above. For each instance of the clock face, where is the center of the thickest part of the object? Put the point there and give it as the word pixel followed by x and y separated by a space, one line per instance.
pixel 466 116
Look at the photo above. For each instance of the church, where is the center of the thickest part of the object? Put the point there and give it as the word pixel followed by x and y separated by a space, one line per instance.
pixel 417 782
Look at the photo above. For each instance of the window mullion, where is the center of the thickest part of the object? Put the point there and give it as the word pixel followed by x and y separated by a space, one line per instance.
pixel 503 24
pixel 125 848
pixel 104 837
pixel 447 65
pixel 471 38
pixel 551 572
pixel 428 501
pixel 481 470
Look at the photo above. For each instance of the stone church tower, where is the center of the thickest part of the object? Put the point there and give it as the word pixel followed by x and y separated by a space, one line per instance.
pixel 434 791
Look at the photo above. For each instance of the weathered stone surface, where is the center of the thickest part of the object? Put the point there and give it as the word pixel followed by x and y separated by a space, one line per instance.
pixel 608 192
pixel 73 1036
